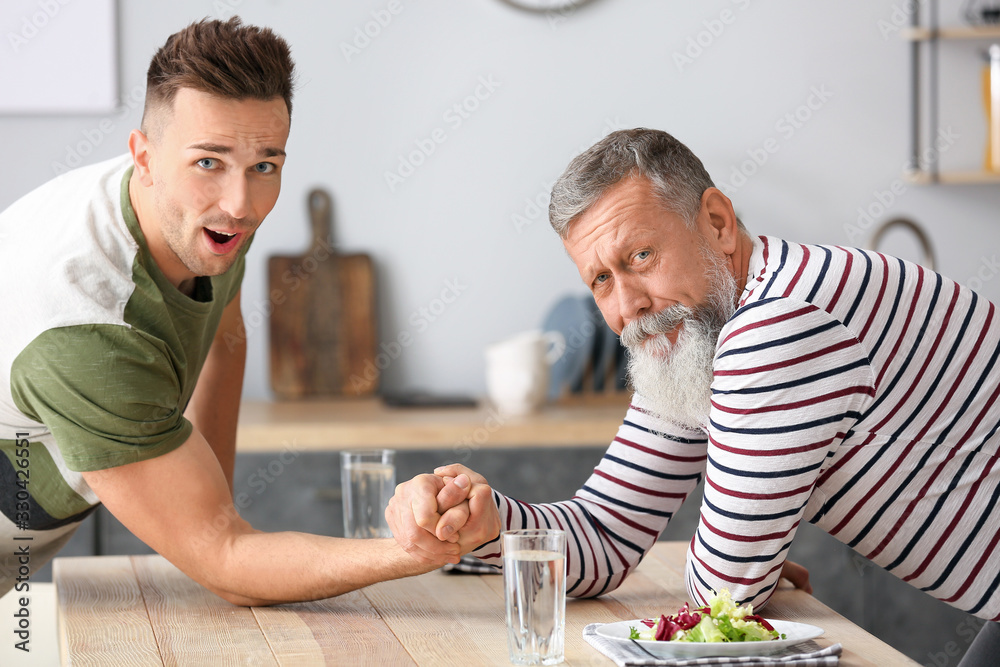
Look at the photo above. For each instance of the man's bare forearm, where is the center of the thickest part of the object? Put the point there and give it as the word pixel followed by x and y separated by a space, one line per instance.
pixel 272 568
pixel 215 405
pixel 179 505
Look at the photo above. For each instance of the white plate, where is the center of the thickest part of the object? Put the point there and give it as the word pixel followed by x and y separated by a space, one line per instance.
pixel 795 633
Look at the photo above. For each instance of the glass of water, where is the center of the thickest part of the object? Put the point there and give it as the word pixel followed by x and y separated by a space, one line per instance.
pixel 534 574
pixel 368 481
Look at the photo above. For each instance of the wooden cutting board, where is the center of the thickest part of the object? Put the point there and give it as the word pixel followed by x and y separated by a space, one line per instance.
pixel 323 324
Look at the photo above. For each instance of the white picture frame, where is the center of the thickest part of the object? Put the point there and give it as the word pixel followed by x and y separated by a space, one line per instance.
pixel 58 56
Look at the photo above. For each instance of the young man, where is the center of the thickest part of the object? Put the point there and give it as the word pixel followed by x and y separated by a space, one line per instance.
pixel 119 383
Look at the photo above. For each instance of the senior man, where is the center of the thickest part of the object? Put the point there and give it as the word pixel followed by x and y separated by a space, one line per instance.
pixel 121 343
pixel 833 385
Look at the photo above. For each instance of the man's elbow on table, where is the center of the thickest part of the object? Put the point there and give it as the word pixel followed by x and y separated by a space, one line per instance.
pixel 242 600
pixel 757 593
pixel 221 576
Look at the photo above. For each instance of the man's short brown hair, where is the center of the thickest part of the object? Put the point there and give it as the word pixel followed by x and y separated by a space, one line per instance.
pixel 222 58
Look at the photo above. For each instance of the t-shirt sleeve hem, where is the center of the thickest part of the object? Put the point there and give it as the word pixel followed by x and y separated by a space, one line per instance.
pixel 134 455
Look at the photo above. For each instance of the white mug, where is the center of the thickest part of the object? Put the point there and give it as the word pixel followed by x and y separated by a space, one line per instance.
pixel 517 370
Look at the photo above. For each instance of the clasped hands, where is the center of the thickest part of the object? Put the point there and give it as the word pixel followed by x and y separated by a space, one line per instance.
pixel 437 518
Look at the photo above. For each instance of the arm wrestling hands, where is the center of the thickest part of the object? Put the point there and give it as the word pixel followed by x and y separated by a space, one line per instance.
pixel 451 512
pixel 444 515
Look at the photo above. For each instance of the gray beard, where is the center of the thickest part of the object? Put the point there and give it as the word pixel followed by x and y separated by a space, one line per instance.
pixel 676 379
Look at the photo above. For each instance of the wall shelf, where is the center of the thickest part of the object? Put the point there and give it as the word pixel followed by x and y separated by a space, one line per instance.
pixel 921 34
pixel 952 177
pixel 924 161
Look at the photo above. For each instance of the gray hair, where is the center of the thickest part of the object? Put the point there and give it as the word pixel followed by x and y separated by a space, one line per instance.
pixel 678 177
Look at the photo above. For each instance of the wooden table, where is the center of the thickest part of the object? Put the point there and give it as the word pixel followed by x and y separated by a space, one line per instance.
pixel 140 610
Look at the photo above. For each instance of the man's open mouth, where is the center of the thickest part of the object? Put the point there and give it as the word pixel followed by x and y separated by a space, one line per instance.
pixel 222 238
pixel 222 243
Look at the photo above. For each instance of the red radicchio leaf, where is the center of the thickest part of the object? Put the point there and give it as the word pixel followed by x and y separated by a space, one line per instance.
pixel 671 625
pixel 648 622
pixel 666 630
pixel 759 619
pixel 685 619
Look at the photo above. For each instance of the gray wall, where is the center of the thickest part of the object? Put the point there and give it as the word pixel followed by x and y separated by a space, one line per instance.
pixel 470 213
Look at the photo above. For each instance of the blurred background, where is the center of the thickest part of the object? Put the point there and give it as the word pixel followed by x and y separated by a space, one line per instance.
pixel 438 128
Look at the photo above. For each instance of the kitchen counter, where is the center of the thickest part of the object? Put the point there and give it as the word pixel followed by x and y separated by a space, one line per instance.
pixel 341 423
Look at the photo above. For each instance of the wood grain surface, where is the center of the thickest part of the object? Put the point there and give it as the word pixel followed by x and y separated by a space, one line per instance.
pixel 303 633
pixel 140 610
pixel 193 626
pixel 444 619
pixel 101 615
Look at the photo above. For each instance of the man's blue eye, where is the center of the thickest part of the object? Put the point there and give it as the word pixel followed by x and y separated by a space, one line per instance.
pixel 264 167
pixel 601 278
pixel 642 254
pixel 206 162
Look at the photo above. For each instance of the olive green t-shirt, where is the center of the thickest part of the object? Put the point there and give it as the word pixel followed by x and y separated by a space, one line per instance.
pixel 99 353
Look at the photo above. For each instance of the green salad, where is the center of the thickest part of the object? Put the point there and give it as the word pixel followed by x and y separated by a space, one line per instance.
pixel 721 621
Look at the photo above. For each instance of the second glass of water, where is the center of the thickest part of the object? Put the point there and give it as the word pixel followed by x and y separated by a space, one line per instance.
pixel 368 481
pixel 534 573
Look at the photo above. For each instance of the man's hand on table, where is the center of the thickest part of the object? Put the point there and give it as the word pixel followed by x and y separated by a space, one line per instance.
pixel 439 517
pixel 798 575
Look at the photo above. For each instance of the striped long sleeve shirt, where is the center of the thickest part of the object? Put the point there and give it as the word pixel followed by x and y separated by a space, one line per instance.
pixel 851 389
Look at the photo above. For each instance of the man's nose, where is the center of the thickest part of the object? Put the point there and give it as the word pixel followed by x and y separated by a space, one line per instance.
pixel 633 301
pixel 235 197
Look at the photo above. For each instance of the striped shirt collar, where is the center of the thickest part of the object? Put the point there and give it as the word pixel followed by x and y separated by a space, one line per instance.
pixel 755 267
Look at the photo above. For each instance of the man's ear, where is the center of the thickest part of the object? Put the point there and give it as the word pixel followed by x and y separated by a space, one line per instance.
pixel 139 146
pixel 718 214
